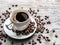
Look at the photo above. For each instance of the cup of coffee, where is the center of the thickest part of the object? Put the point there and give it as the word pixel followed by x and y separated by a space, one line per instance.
pixel 20 19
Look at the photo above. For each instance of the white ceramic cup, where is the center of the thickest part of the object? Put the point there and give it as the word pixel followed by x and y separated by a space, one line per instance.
pixel 19 25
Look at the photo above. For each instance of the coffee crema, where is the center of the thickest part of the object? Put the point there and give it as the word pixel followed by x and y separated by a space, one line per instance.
pixel 21 16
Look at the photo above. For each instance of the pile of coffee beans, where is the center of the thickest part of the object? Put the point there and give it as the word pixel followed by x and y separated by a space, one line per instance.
pixel 27 31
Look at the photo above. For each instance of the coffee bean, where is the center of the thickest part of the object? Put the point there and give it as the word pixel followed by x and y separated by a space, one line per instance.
pixel 22 44
pixel 47 37
pixel 35 43
pixel 53 31
pixel 3 13
pixel 48 40
pixel 43 37
pixel 36 31
pixel 0 16
pixel 0 43
pixel 47 16
pixel 29 42
pixel 33 40
pixel 37 10
pixel 53 43
pixel 48 22
pixel 9 8
pixel 56 36
pixel 0 31
pixel 32 43
pixel 12 5
pixel 12 42
pixel 16 5
pixel 42 19
pixel 40 41
pixel 4 40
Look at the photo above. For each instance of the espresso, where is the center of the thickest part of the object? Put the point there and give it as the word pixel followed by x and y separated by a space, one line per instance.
pixel 21 16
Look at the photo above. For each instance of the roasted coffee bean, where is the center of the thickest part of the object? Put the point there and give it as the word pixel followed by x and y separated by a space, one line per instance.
pixel 0 31
pixel 0 43
pixel 0 16
pixel 12 5
pixel 43 37
pixel 32 43
pixel 56 36
pixel 42 19
pixel 35 43
pixel 40 41
pixel 47 16
pixel 7 12
pixel 53 31
pixel 43 23
pixel 22 44
pixel 48 40
pixel 48 22
pixel 47 37
pixel 12 42
pixel 5 35
pixel 3 13
pixel 9 8
pixel 39 37
pixel 53 43
pixel 35 16
pixel 33 40
pixel 29 42
pixel 36 31
pixel 16 5
pixel 4 40
pixel 37 10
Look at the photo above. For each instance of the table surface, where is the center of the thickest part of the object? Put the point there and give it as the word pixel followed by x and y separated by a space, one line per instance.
pixel 50 8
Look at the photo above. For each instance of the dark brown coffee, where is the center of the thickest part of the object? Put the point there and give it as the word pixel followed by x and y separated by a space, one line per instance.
pixel 21 16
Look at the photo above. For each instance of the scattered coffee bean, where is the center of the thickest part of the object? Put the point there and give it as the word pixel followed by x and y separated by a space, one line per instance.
pixel 38 10
pixel 48 40
pixel 47 16
pixel 0 16
pixel 0 43
pixel 48 22
pixel 4 40
pixel 12 42
pixel 36 31
pixel 7 12
pixel 1 26
pixel 0 31
pixel 22 44
pixel 9 8
pixel 12 5
pixel 40 41
pixel 56 36
pixel 29 42
pixel 53 43
pixel 53 31
pixel 43 37
pixel 16 5
pixel 42 19
pixel 3 13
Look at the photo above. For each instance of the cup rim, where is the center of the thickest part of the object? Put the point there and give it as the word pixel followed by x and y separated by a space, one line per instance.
pixel 19 10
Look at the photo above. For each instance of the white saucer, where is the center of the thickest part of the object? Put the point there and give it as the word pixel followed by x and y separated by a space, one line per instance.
pixel 13 34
